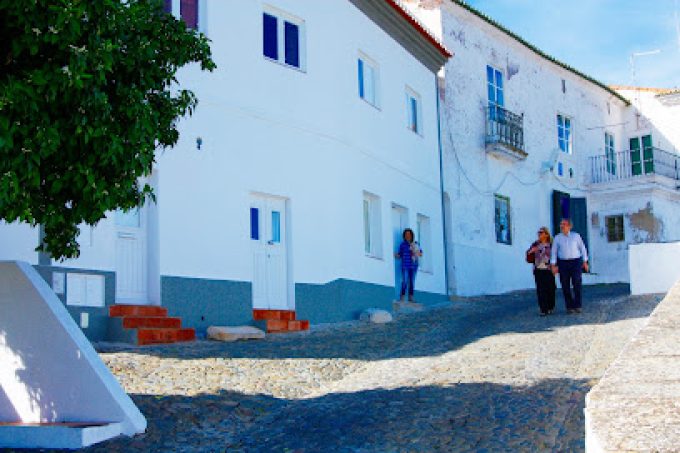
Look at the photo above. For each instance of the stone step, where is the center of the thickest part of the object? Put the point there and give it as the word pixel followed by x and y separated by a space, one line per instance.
pixel 137 310
pixel 282 326
pixel 400 306
pixel 284 315
pixel 134 322
pixel 56 435
pixel 146 336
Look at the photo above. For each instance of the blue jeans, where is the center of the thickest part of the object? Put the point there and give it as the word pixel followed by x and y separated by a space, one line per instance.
pixel 408 277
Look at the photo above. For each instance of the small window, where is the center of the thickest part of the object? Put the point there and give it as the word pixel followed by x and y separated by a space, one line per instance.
pixel 188 10
pixel 368 80
pixel 255 224
pixel 564 134
pixel 615 229
pixel 414 111
pixel 502 217
pixel 423 237
pixel 276 227
pixel 560 169
pixel 372 225
pixel 564 86
pixel 283 38
pixel 610 154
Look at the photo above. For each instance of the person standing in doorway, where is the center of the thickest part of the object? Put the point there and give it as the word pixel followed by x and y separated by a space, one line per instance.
pixel 539 255
pixel 568 258
pixel 409 263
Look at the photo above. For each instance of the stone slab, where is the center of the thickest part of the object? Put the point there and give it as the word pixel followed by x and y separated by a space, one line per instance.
pixel 222 333
pixel 376 316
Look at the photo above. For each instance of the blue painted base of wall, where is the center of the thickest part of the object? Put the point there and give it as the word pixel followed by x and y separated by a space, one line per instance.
pixel 202 303
pixel 344 300
pixel 98 316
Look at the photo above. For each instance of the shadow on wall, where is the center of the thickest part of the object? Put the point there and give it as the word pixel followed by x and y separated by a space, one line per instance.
pixel 22 395
pixel 547 416
pixel 429 333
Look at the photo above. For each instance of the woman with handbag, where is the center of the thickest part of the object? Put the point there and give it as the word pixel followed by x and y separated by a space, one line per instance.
pixel 539 255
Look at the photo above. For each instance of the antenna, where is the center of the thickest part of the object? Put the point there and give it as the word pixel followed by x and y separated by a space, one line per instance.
pixel 632 61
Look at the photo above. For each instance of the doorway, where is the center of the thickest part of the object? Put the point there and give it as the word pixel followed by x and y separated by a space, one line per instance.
pixel 268 237
pixel 131 255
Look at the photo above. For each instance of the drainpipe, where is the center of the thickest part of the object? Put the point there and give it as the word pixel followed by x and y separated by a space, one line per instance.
pixel 441 186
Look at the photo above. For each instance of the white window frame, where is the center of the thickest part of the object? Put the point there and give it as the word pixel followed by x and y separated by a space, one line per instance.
pixel 568 143
pixel 372 225
pixel 281 18
pixel 375 86
pixel 610 153
pixel 417 125
pixel 424 239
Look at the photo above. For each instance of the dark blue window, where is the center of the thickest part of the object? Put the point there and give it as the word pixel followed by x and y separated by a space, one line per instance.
pixel 361 78
pixel 254 224
pixel 270 45
pixel 292 37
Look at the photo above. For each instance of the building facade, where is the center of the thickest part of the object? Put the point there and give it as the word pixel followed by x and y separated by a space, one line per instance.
pixel 526 139
pixel 311 150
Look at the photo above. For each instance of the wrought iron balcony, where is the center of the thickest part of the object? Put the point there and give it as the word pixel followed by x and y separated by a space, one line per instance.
pixel 505 132
pixel 635 164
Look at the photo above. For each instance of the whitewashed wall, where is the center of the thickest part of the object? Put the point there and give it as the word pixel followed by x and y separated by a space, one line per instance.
pixel 303 135
pixel 654 267
pixel 532 87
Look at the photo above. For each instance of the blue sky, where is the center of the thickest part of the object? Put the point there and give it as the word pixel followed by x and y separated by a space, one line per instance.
pixel 598 36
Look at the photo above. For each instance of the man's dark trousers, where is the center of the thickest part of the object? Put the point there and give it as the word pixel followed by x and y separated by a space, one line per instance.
pixel 570 274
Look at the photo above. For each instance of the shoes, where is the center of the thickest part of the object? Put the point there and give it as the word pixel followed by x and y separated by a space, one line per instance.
pixel 543 313
pixel 571 311
pixel 550 312
pixel 410 298
pixel 577 310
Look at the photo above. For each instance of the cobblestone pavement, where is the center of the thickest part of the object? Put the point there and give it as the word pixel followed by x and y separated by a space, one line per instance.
pixel 486 374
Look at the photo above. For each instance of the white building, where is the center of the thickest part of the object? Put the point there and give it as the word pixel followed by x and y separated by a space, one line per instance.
pixel 314 145
pixel 522 133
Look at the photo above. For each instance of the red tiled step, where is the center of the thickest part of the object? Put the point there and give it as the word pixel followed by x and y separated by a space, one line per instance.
pixel 134 322
pixel 156 336
pixel 137 310
pixel 284 315
pixel 279 326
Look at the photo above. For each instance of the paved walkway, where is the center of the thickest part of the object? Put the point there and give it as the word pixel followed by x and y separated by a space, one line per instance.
pixel 482 375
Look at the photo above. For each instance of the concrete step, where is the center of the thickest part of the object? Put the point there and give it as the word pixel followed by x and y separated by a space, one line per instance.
pixel 147 336
pixel 137 310
pixel 282 326
pixel 400 306
pixel 284 315
pixel 134 322
pixel 56 435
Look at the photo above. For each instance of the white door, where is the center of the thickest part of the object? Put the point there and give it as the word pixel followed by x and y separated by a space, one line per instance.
pixel 131 273
pixel 270 257
pixel 399 224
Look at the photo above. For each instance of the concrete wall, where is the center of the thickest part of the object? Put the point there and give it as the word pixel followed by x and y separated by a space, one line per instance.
pixel 654 267
pixel 532 88
pixel 50 372
pixel 634 406
pixel 306 136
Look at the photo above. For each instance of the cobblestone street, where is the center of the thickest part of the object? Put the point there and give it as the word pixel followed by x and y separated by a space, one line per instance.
pixel 486 374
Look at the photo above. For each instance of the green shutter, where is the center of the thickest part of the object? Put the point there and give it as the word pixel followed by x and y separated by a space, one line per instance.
pixel 648 153
pixel 635 157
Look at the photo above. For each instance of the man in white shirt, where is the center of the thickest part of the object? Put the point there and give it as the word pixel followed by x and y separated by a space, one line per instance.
pixel 568 258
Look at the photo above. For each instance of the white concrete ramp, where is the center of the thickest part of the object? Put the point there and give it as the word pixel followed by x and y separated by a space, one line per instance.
pixel 54 389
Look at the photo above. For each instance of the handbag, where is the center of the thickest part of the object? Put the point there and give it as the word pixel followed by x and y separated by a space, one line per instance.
pixel 531 256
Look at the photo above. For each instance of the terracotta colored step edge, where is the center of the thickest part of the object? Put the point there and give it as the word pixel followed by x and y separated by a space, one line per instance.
pixel 140 322
pixel 64 424
pixel 263 315
pixel 117 311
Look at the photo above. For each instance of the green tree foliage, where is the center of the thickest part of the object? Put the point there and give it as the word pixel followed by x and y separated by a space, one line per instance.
pixel 87 96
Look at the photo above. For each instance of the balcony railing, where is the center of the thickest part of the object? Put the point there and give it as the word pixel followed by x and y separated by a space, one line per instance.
pixel 505 128
pixel 634 164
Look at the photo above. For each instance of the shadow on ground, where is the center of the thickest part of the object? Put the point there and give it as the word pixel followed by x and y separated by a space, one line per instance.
pixel 429 333
pixel 463 417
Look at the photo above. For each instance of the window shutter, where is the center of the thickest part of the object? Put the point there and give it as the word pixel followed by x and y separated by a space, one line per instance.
pixel 188 9
pixel 167 6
